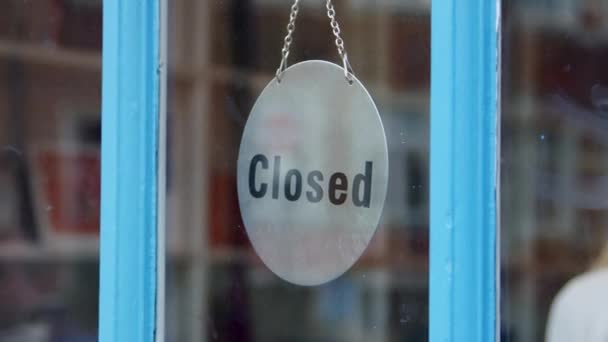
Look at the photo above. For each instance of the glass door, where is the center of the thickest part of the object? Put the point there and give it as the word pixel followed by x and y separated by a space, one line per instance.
pixel 554 167
pixel 190 217
pixel 50 132
pixel 222 54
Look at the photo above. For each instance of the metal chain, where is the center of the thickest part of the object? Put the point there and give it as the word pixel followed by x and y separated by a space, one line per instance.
pixel 331 13
pixel 288 39
pixel 335 27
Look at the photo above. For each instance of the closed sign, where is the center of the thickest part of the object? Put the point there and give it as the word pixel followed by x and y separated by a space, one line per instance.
pixel 312 173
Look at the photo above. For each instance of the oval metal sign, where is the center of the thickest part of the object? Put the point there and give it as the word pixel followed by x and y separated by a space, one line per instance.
pixel 312 173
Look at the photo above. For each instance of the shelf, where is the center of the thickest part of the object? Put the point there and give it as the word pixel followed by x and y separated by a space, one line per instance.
pixel 222 256
pixel 378 278
pixel 564 21
pixel 382 93
pixel 363 5
pixel 29 252
pixel 414 6
pixel 50 55
pixel 522 268
pixel 217 255
pixel 222 74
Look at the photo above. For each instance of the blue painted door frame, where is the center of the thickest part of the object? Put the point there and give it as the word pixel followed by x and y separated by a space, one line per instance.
pixel 464 187
pixel 464 135
pixel 130 116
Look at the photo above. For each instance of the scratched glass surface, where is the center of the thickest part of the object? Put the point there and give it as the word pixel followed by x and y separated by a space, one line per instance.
pixel 50 94
pixel 221 55
pixel 554 171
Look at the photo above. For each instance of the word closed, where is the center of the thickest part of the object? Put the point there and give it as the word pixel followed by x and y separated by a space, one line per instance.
pixel 337 185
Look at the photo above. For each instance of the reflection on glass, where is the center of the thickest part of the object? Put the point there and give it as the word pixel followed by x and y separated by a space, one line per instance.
pixel 221 55
pixel 50 89
pixel 554 169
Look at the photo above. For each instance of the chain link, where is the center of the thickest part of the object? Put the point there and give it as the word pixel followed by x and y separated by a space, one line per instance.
pixel 288 39
pixel 335 27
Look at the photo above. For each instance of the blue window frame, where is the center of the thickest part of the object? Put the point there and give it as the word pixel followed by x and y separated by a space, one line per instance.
pixel 130 117
pixel 464 136
pixel 464 113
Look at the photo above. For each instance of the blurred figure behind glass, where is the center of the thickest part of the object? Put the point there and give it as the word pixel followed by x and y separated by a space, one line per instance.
pixel 580 310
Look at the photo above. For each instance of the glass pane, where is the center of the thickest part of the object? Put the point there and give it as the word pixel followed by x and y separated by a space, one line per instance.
pixel 221 55
pixel 50 90
pixel 554 168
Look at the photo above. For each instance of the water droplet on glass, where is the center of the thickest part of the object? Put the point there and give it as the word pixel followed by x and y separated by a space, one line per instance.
pixel 599 97
pixel 448 268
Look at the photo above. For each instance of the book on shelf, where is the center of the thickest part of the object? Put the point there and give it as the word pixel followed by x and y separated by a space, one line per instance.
pixel 409 44
pixel 66 183
pixel 10 225
pixel 69 23
pixel 81 24
pixel 230 109
pixel 17 219
pixel 33 21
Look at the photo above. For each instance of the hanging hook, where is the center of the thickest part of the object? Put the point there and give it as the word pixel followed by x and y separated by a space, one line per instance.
pixel 335 27
pixel 348 69
pixel 282 67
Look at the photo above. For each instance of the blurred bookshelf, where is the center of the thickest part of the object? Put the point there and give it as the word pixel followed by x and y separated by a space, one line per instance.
pixel 26 252
pixel 50 124
pixel 221 56
pixel 51 91
pixel 36 53
pixel 552 154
